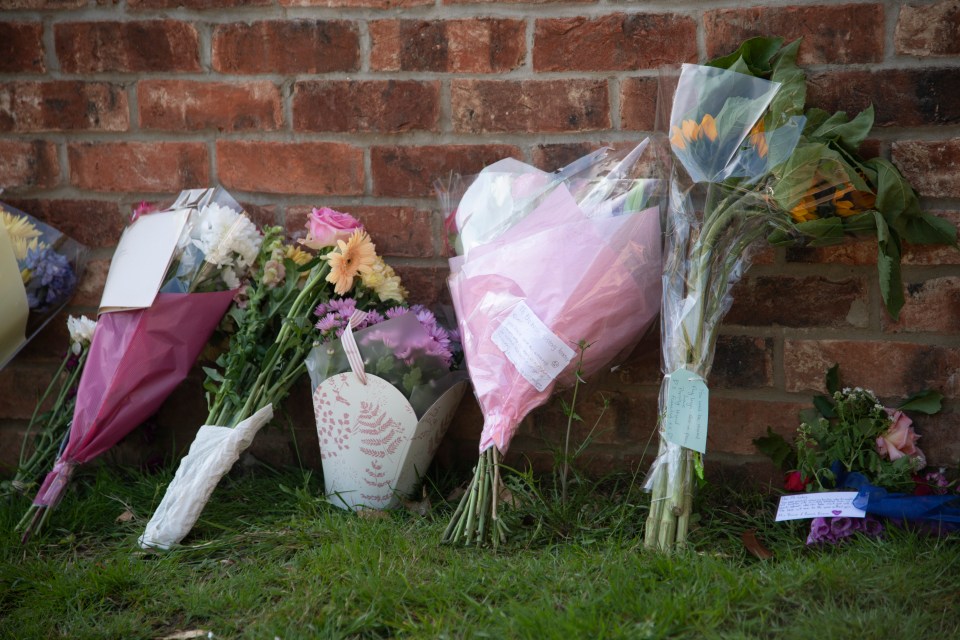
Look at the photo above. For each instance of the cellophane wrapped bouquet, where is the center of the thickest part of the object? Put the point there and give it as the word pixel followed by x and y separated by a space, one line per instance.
pixel 40 268
pixel 749 162
pixel 271 329
pixel 548 262
pixel 172 277
pixel 385 387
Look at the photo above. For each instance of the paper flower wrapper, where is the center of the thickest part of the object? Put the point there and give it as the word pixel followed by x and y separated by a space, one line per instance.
pixel 212 454
pixel 374 444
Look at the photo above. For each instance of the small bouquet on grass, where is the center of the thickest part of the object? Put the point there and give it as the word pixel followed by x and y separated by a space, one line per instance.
pixel 850 441
pixel 47 431
pixel 749 163
pixel 384 395
pixel 161 301
pixel 39 271
pixel 548 262
pixel 272 328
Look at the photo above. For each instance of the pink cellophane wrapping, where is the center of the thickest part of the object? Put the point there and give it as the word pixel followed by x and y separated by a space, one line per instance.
pixel 136 360
pixel 596 280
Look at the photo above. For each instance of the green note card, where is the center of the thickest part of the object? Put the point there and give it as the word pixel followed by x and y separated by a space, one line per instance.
pixel 687 408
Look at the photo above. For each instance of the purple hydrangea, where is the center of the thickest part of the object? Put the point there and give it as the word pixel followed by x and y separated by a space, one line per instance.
pixel 52 280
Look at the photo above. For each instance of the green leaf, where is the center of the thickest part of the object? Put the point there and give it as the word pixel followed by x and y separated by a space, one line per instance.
pixel 815 118
pixel 825 406
pixel 894 194
pixel 412 379
pixel 796 175
pixel 927 228
pixel 790 98
pixel 833 379
pixel 926 401
pixel 775 447
pixel 823 231
pixel 888 268
pixel 848 133
pixel 213 374
pixel 756 54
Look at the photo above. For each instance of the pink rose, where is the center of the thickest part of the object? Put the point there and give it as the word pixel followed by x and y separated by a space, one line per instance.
pixel 900 439
pixel 325 226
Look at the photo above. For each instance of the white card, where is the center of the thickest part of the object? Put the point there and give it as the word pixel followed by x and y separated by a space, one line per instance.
pixel 534 350
pixel 830 504
pixel 688 406
pixel 141 260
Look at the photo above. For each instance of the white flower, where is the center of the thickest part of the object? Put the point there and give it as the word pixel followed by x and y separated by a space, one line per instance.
pixel 230 278
pixel 81 332
pixel 226 237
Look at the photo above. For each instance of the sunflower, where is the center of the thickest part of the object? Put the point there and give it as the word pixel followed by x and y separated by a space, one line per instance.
pixel 759 139
pixel 354 257
pixel 691 131
pixel 804 210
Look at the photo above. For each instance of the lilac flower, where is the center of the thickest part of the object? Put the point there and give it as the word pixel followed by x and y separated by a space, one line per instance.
pixel 52 280
pixel 328 322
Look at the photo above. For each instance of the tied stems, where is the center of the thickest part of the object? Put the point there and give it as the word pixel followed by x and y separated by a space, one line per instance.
pixel 476 519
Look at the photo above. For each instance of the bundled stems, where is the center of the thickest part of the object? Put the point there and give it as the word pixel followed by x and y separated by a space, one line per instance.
pixel 476 518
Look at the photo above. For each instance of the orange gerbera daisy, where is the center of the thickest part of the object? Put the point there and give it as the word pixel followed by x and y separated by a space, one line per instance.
pixel 352 258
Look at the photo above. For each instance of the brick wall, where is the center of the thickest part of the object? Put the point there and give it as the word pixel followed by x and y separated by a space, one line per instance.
pixel 361 104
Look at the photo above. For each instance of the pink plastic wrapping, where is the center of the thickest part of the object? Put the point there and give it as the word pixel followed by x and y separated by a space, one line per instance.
pixel 136 360
pixel 587 279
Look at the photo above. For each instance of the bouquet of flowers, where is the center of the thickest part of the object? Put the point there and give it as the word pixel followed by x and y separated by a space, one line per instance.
pixel 39 271
pixel 383 396
pixel 748 163
pixel 547 262
pixel 53 425
pixel 155 316
pixel 271 331
pixel 851 441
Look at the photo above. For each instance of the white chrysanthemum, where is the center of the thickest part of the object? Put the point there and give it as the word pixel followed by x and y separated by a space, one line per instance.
pixel 230 278
pixel 81 332
pixel 226 237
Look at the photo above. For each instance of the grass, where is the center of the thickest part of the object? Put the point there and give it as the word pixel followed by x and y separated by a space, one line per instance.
pixel 270 559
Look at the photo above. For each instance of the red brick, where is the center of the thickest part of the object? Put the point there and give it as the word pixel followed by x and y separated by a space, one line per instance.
pixel 616 42
pixel 320 168
pixel 349 4
pixel 931 306
pixel 64 106
pixel 493 106
pixel 938 437
pixel 932 167
pixel 927 30
pixel 138 166
pixel 427 285
pixel 890 369
pixel 638 103
pixel 551 157
pixel 933 254
pixel 51 344
pixel 90 289
pixel 262 215
pixel 286 47
pixel 397 231
pixel 156 45
pixel 735 422
pixel 832 34
pixel 21 47
pixel 742 362
pixel 853 251
pixel 411 171
pixel 194 4
pixel 813 301
pixel 900 97
pixel 95 223
pixel 477 45
pixel 25 164
pixel 20 388
pixel 389 106
pixel 181 105
pixel 43 4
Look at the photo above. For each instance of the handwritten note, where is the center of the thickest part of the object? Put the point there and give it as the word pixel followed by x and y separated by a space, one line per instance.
pixel 534 350
pixel 687 410
pixel 818 505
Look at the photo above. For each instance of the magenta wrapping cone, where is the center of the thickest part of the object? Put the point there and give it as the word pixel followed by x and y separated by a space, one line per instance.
pixel 136 360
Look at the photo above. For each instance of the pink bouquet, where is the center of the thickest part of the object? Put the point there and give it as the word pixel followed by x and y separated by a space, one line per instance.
pixel 173 275
pixel 548 262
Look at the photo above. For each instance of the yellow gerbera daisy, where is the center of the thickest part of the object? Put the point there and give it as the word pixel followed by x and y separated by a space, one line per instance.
pixel 354 257
pixel 296 254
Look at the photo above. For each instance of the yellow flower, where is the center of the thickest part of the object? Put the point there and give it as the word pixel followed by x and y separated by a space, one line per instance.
pixel 691 131
pixel 758 139
pixel 296 254
pixel 384 281
pixel 804 210
pixel 354 257
pixel 23 234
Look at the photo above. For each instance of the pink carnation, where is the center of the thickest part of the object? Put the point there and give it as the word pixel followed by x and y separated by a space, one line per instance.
pixel 326 226
pixel 900 439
